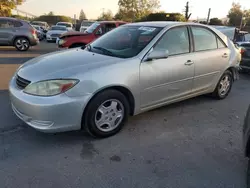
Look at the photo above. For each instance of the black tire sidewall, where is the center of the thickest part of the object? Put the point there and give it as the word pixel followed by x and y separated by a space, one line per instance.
pixel 248 174
pixel 217 93
pixel 89 116
pixel 22 38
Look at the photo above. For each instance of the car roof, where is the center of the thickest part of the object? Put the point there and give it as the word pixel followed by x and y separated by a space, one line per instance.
pixel 164 23
pixel 58 26
pixel 111 22
pixel 64 22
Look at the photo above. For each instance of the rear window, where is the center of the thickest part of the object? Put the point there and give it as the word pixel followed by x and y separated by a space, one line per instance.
pixel 65 24
pixel 59 28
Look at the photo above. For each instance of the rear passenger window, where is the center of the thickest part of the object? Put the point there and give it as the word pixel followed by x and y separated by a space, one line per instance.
pixel 6 24
pixel 18 24
pixel 220 43
pixel 204 39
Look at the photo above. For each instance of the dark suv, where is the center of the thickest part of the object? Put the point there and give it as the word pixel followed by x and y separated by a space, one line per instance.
pixel 18 33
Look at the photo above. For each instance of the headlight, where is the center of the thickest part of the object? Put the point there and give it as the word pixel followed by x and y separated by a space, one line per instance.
pixel 50 87
pixel 61 42
pixel 48 35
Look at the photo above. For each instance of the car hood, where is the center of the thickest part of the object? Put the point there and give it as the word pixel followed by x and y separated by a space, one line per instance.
pixel 55 32
pixel 63 64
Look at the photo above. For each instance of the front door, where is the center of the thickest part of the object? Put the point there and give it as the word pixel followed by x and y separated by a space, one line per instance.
pixel 163 80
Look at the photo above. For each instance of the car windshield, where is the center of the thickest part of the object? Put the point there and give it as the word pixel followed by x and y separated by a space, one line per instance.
pixel 39 23
pixel 86 23
pixel 125 41
pixel 92 28
pixel 64 24
pixel 58 28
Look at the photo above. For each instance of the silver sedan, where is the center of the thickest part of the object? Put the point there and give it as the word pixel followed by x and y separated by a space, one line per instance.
pixel 129 70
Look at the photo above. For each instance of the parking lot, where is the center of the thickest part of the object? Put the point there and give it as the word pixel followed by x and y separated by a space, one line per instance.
pixel 194 143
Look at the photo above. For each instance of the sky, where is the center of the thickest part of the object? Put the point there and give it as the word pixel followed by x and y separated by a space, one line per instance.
pixel 93 8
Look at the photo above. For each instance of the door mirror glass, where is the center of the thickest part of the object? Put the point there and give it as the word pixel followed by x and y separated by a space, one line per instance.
pixel 157 54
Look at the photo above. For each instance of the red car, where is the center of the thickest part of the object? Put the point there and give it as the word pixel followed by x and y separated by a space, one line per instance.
pixel 79 39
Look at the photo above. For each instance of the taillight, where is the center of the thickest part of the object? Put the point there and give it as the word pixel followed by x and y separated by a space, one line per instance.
pixel 242 50
pixel 33 31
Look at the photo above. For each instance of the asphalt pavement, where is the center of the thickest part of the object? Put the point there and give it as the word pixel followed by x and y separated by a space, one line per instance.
pixel 196 143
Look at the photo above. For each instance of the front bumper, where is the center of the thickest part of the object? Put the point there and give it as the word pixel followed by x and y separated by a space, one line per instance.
pixel 48 114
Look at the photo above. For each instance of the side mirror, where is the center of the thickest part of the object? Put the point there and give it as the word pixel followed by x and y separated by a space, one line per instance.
pixel 99 32
pixel 157 54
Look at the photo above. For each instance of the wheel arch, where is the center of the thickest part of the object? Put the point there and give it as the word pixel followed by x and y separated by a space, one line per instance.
pixel 19 36
pixel 234 72
pixel 124 90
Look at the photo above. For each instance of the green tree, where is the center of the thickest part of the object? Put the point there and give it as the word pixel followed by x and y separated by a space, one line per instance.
pixel 7 5
pixel 51 13
pixel 215 21
pixel 163 16
pixel 53 19
pixel 82 16
pixel 106 16
pixel 130 10
pixel 235 14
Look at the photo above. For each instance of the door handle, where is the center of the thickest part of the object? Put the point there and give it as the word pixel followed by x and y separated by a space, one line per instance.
pixel 225 55
pixel 189 62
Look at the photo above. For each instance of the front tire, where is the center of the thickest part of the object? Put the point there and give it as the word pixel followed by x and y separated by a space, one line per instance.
pixel 106 114
pixel 22 44
pixel 224 85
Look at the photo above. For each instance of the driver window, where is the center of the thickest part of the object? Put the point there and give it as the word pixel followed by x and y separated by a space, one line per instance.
pixel 175 41
pixel 108 27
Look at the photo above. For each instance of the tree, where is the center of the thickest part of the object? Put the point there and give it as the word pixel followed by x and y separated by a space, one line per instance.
pixel 53 19
pixel 106 16
pixel 163 16
pixel 7 5
pixel 215 21
pixel 235 14
pixel 51 13
pixel 82 16
pixel 131 10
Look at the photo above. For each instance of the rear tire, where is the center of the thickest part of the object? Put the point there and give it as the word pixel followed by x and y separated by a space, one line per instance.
pixel 22 44
pixel 106 114
pixel 224 85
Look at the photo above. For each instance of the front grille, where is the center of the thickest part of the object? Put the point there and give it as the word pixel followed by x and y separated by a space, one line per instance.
pixel 55 35
pixel 21 82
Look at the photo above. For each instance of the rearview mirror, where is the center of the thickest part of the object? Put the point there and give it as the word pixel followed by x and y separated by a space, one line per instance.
pixel 157 54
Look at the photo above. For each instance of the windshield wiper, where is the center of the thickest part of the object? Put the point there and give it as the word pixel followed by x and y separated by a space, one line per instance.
pixel 104 50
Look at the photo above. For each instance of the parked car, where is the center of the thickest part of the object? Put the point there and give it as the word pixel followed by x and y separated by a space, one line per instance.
pixel 78 39
pixel 243 42
pixel 132 69
pixel 43 24
pixel 40 32
pixel 246 142
pixel 17 33
pixel 68 25
pixel 55 32
pixel 85 24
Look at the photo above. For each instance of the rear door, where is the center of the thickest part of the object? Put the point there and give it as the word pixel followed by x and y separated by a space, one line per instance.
pixel 211 58
pixel 6 31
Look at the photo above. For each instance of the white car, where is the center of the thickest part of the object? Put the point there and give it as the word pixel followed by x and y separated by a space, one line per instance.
pixel 85 25
pixel 55 32
pixel 68 25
